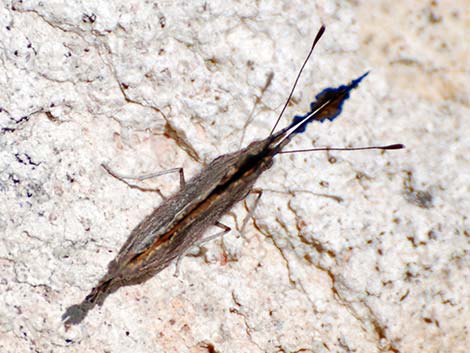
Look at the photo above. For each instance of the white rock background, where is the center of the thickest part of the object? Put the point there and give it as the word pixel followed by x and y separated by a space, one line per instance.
pixel 146 86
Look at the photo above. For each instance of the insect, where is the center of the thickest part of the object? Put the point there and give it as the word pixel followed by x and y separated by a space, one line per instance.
pixel 180 222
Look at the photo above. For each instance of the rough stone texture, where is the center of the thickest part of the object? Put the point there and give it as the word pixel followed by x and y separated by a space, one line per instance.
pixel 146 86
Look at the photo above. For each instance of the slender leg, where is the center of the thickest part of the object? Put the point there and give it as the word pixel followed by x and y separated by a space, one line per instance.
pixel 292 192
pixel 122 178
pixel 251 211
pixel 225 230
pixel 269 79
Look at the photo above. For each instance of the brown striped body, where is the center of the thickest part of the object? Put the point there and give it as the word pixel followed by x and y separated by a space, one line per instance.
pixel 181 220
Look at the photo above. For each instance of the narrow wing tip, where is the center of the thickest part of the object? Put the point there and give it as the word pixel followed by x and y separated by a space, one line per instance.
pixel 75 314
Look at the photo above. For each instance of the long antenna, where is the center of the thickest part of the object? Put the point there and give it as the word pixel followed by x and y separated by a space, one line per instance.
pixel 396 146
pixel 317 38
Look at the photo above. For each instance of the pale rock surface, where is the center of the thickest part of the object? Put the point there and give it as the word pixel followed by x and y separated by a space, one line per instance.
pixel 148 86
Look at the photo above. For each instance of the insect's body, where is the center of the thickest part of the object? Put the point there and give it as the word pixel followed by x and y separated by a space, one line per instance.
pixel 163 235
pixel 181 220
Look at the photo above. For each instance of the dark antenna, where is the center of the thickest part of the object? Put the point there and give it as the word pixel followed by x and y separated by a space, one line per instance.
pixel 397 146
pixel 317 38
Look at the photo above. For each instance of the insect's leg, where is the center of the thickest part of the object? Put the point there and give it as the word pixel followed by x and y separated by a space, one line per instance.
pixel 168 171
pixel 292 192
pixel 122 178
pixel 255 105
pixel 225 230
pixel 251 211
